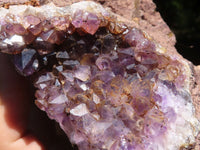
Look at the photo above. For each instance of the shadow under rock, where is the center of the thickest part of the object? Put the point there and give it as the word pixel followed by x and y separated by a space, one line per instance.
pixel 22 115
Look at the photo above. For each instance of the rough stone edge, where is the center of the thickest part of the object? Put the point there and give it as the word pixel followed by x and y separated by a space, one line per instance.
pixel 195 91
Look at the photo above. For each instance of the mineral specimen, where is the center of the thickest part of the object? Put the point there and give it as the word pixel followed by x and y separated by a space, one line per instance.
pixel 108 85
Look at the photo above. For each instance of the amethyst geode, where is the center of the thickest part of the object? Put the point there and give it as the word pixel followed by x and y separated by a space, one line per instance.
pixel 108 85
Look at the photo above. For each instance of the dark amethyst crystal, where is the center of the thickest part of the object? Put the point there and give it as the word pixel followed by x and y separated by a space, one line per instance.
pixel 26 62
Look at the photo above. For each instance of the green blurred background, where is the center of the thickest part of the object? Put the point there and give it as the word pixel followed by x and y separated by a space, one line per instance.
pixel 183 18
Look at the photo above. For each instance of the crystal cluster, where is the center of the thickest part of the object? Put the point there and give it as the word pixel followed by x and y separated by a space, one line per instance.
pixel 109 86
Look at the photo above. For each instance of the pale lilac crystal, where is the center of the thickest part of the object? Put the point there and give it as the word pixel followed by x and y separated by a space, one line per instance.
pixel 137 39
pixel 19 29
pixel 103 62
pixel 9 29
pixel 87 21
pixel 82 73
pixel 35 29
pixel 32 20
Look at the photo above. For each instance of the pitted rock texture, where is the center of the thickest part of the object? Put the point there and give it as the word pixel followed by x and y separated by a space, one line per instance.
pixel 103 81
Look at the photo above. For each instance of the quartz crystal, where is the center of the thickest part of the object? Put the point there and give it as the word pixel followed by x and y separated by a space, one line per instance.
pixel 108 85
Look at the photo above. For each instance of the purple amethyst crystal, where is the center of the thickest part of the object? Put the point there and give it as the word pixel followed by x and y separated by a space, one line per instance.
pixel 26 62
pixel 108 86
